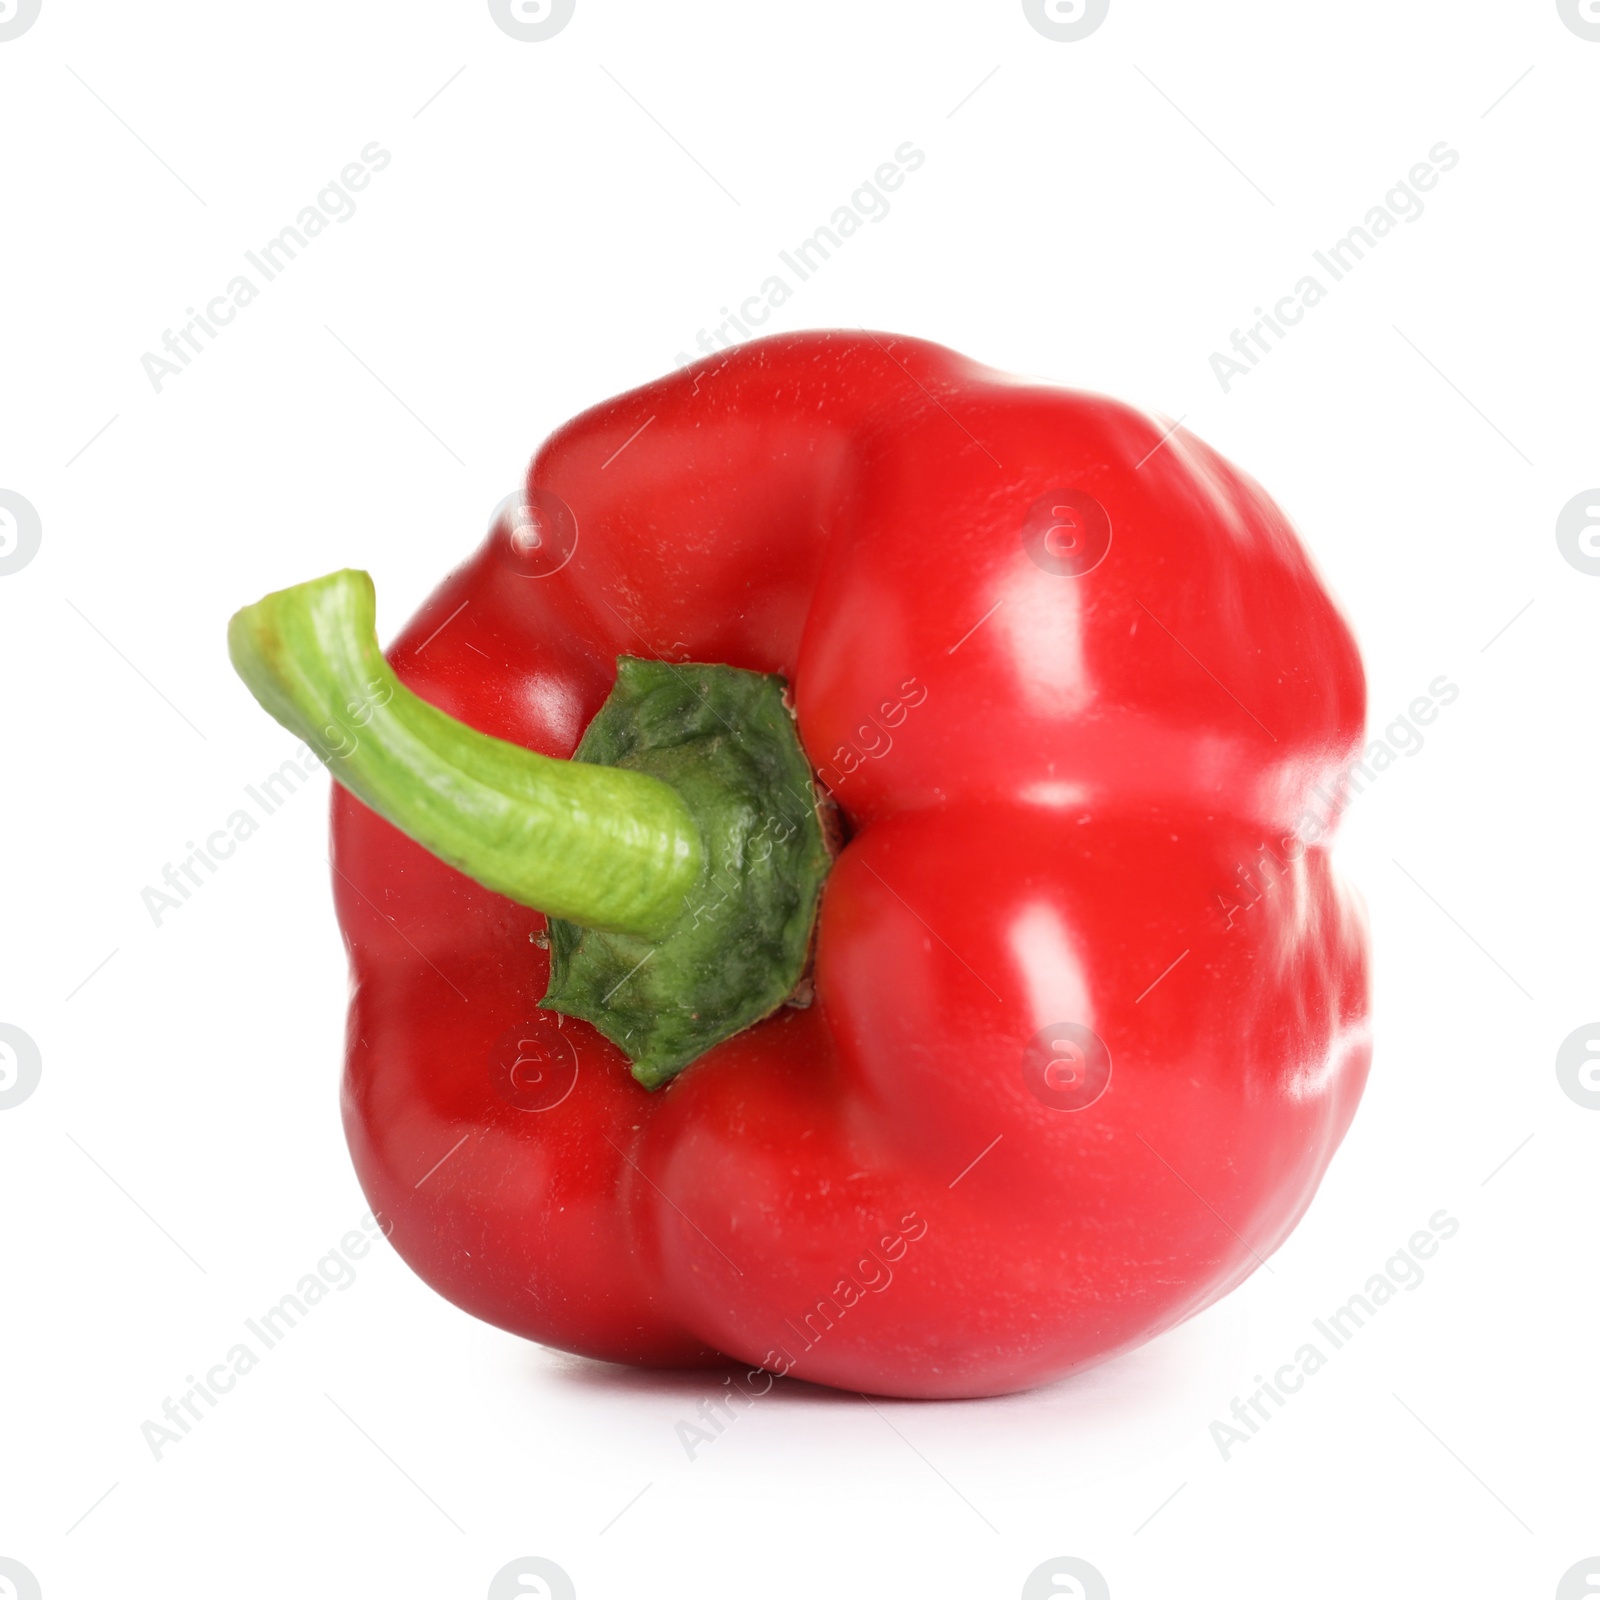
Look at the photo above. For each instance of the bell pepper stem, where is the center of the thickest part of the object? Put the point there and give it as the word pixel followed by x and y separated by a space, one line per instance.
pixel 603 847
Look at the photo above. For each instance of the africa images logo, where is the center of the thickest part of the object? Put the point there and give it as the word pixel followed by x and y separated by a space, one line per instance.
pixel 16 17
pixel 1577 532
pixel 532 21
pixel 1582 16
pixel 1066 21
pixel 20 532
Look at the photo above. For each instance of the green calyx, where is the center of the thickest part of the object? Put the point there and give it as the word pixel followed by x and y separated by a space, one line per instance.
pixel 724 741
pixel 679 856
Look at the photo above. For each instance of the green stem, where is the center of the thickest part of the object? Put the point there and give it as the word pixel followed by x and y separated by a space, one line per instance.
pixel 603 847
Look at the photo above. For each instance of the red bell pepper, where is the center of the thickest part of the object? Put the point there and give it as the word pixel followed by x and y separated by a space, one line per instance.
pixel 1082 1017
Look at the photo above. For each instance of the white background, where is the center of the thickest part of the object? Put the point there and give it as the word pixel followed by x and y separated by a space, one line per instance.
pixel 539 242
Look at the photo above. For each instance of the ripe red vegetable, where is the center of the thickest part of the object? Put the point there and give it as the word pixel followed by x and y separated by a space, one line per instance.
pixel 1070 681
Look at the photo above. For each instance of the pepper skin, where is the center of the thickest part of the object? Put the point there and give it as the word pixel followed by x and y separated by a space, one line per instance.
pixel 1070 775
